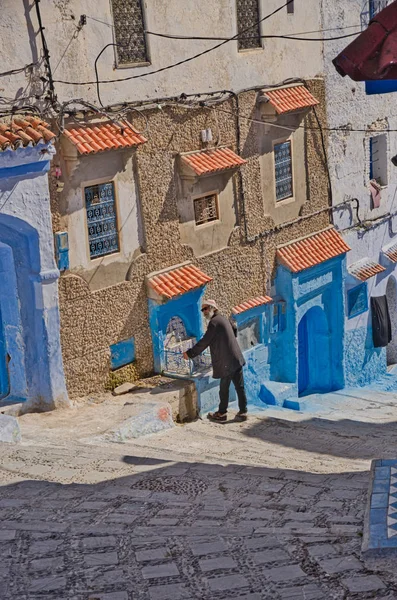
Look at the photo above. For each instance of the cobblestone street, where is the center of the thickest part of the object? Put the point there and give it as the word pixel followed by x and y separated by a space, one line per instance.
pixel 201 511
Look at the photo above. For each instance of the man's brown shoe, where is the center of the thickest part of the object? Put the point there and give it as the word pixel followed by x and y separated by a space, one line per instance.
pixel 217 417
pixel 241 416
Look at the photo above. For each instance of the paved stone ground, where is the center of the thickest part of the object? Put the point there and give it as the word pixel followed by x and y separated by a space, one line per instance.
pixel 271 509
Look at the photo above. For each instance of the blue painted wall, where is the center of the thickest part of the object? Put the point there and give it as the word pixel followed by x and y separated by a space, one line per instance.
pixel 122 353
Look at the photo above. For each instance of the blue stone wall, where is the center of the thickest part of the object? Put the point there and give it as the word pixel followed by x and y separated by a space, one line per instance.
pixel 363 363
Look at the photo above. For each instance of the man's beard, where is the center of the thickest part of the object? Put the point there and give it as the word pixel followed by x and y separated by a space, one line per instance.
pixel 210 314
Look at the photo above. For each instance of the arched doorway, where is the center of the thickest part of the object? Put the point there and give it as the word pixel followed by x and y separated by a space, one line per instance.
pixel 391 295
pixel 314 353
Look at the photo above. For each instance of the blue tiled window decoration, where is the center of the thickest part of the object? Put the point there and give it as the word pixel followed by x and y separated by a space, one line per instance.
pixel 101 219
pixel 357 300
pixel 283 170
pixel 278 321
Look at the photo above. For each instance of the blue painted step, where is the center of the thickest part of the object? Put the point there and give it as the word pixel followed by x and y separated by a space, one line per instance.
pixel 275 393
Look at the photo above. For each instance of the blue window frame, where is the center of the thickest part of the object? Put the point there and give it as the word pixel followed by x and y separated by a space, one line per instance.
pixel 100 205
pixel 357 300
pixel 283 170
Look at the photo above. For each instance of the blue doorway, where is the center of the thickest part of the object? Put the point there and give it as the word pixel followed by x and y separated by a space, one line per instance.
pixel 314 353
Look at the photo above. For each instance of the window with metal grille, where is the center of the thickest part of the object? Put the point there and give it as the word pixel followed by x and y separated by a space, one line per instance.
pixel 357 300
pixel 378 158
pixel 100 206
pixel 129 32
pixel 206 209
pixel 248 16
pixel 283 170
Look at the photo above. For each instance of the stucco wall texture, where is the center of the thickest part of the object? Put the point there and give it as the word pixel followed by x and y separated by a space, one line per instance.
pixel 93 320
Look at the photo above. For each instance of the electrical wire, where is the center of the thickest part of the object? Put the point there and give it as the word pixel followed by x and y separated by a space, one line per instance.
pixel 263 37
pixel 186 60
pixel 345 129
pixel 20 70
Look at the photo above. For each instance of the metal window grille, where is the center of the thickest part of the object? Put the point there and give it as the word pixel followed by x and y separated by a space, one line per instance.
pixel 129 31
pixel 101 219
pixel 370 9
pixel 248 15
pixel 206 209
pixel 283 170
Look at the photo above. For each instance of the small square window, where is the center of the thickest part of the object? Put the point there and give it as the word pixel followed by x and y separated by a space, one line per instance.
pixel 100 206
pixel 248 26
pixel 206 209
pixel 283 170
pixel 378 158
pixel 291 7
pixel 357 300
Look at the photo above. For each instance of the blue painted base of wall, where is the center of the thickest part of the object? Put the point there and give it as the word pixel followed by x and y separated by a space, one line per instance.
pixel 364 364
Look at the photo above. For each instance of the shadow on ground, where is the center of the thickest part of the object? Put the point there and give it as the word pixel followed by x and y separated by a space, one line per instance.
pixel 188 531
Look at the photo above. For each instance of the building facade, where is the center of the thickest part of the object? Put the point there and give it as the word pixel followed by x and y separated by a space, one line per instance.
pixel 192 167
pixel 361 144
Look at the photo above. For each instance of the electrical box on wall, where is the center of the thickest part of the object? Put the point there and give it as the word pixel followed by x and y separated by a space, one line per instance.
pixel 62 250
pixel 206 135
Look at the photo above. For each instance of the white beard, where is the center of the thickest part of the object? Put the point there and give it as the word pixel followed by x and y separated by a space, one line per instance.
pixel 210 314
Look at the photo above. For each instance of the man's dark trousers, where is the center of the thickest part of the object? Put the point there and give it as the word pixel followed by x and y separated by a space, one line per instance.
pixel 238 381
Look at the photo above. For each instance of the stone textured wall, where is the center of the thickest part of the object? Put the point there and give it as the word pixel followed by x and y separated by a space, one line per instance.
pixel 91 321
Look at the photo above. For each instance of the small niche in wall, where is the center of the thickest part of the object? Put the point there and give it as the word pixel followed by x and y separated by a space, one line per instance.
pixel 248 334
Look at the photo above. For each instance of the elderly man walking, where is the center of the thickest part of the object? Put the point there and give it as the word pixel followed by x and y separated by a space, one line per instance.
pixel 227 360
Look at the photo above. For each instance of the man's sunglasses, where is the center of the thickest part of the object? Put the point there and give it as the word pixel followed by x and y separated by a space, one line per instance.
pixel 205 308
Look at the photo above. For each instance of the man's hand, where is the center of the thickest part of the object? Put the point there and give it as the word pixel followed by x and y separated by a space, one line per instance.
pixel 185 356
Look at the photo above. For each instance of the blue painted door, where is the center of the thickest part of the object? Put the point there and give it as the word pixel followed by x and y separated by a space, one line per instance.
pixel 314 353
pixel 4 382
pixel 303 352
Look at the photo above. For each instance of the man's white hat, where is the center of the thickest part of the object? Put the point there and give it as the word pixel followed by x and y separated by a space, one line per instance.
pixel 210 303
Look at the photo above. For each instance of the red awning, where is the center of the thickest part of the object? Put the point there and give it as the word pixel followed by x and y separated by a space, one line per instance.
pixel 373 54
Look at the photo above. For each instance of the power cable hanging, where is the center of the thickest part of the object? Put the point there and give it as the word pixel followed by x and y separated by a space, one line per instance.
pixel 19 70
pixel 52 96
pixel 263 37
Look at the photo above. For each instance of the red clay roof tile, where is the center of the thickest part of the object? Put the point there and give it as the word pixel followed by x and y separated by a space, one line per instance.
pixel 312 250
pixel 292 98
pixel 178 281
pixel 24 131
pixel 252 303
pixel 99 137
pixel 391 252
pixel 365 268
pixel 212 161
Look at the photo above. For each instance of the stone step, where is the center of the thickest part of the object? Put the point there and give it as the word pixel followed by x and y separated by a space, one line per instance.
pixel 275 393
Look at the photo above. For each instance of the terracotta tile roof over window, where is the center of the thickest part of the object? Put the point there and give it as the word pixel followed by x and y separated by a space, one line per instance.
pixel 253 303
pixel 24 131
pixel 178 281
pixel 212 161
pixel 365 268
pixel 101 136
pixel 312 250
pixel 391 252
pixel 292 98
